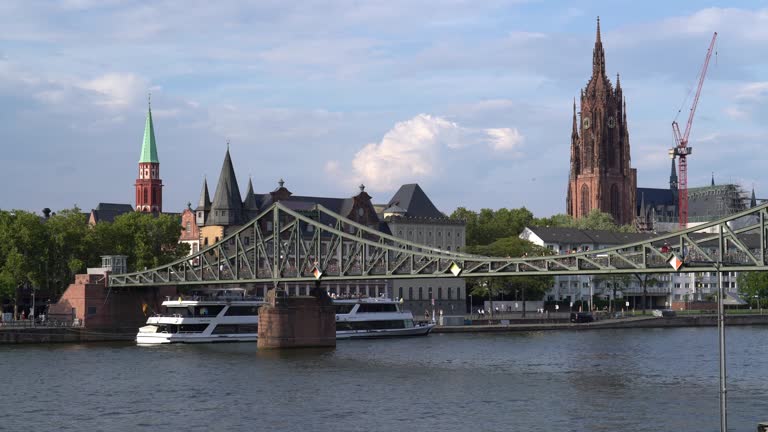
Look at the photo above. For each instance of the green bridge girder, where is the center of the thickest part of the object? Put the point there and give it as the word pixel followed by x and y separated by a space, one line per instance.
pixel 285 245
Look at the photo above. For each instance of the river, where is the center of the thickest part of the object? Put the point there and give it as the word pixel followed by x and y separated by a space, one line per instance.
pixel 603 380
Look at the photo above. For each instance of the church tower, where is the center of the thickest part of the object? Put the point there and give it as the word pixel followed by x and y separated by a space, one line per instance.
pixel 601 176
pixel 149 186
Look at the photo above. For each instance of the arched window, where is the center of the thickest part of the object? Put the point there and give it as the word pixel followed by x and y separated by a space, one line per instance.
pixel 421 293
pixel 585 198
pixel 410 293
pixel 145 196
pixel 449 293
pixel 439 293
pixel 615 204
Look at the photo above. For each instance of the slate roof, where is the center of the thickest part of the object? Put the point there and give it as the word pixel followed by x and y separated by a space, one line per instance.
pixel 205 200
pixel 415 202
pixel 579 236
pixel 107 212
pixel 227 195
pixel 653 197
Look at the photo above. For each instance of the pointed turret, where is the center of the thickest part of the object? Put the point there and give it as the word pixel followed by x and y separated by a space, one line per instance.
pixel 753 200
pixel 713 179
pixel 598 55
pixel 250 204
pixel 203 206
pixel 149 147
pixel 227 204
pixel 205 200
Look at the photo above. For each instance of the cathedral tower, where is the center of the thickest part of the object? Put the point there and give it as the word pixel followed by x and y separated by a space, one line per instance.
pixel 601 176
pixel 149 186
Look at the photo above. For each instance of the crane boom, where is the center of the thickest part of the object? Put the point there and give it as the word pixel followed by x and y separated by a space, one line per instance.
pixel 681 149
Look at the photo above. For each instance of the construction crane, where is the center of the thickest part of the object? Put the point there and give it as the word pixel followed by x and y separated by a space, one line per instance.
pixel 681 149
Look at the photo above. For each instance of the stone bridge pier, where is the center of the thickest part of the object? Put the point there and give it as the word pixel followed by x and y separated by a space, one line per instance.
pixel 297 322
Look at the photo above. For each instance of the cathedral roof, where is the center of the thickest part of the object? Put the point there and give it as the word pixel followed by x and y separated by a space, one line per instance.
pixel 149 147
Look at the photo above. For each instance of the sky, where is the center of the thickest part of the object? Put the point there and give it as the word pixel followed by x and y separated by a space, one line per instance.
pixel 470 99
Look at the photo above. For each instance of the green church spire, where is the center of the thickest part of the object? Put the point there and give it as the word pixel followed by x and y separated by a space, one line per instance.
pixel 149 147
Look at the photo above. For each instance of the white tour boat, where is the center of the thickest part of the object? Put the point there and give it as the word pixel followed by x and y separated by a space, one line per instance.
pixel 220 315
pixel 375 318
pixel 229 315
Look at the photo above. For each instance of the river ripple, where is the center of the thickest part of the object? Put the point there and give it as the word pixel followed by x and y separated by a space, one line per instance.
pixel 604 380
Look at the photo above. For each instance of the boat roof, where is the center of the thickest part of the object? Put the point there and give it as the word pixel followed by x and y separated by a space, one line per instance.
pixel 364 300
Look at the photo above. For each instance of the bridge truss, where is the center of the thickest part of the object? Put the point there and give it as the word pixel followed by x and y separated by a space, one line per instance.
pixel 285 245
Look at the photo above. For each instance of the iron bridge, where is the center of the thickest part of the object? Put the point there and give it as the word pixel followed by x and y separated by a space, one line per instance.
pixel 284 245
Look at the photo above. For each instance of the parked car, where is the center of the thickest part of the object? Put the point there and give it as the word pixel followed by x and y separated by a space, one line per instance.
pixel 581 317
pixel 666 313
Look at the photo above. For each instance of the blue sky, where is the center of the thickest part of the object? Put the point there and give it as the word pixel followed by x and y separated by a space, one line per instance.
pixel 470 99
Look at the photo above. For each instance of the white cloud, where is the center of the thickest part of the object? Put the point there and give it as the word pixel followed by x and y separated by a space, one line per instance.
pixel 116 90
pixel 420 148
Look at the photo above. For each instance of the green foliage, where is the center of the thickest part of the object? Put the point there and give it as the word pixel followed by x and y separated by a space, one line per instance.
pixel 753 284
pixel 487 226
pixel 595 220
pixel 46 254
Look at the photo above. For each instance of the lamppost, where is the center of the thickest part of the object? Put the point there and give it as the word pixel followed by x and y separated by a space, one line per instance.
pixel 757 298
pixel 470 305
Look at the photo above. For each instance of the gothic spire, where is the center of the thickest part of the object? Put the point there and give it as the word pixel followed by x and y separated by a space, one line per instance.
pixel 575 132
pixel 753 200
pixel 673 176
pixel 149 147
pixel 713 179
pixel 598 55
pixel 205 201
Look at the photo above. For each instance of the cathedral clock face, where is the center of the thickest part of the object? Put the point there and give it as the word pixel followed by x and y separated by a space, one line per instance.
pixel 611 122
pixel 586 123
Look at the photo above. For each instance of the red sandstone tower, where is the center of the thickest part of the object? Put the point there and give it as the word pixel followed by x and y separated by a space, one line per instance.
pixel 149 186
pixel 601 176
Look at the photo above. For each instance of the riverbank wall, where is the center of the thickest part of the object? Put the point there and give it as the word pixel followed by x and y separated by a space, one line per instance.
pixel 622 323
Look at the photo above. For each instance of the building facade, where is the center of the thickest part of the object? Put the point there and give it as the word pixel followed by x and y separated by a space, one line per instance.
pixel 601 176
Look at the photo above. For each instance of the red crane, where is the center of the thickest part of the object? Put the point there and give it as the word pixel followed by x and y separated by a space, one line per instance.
pixel 681 149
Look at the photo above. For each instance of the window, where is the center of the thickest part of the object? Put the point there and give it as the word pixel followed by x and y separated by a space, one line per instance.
pixel 410 293
pixel 400 292
pixel 421 293
pixel 189 226
pixel 439 293
pixel 269 226
pixel 449 293
pixel 246 240
pixel 91 310
pixel 585 207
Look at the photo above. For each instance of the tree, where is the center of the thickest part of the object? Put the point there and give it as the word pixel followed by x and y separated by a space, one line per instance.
pixel 70 249
pixel 595 220
pixel 513 247
pixel 147 240
pixel 488 225
pixel 753 285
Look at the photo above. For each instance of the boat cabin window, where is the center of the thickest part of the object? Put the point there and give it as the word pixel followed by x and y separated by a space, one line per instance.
pixel 208 310
pixel 377 307
pixel 344 308
pixel 242 311
pixel 192 328
pixel 235 329
pixel 371 325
